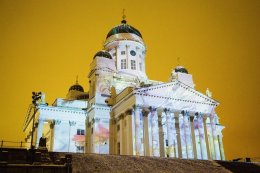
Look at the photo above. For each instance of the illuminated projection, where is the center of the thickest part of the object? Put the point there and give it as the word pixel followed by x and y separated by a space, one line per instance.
pixel 126 113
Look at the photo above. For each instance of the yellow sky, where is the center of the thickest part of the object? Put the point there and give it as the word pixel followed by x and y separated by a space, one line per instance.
pixel 45 44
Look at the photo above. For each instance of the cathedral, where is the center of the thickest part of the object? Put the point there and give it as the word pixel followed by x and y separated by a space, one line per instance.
pixel 126 113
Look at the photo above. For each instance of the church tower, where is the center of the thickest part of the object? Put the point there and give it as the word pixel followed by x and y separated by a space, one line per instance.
pixel 120 65
pixel 100 76
pixel 126 45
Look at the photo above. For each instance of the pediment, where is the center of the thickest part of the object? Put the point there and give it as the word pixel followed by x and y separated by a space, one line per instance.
pixel 175 95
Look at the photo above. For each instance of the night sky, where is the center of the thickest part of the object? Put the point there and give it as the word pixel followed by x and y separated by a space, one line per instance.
pixel 45 44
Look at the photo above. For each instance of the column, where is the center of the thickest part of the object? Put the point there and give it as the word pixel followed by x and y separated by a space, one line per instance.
pixel 129 135
pixel 39 131
pixel 221 147
pixel 178 134
pixel 112 136
pixel 204 154
pixel 164 127
pixel 146 133
pixel 133 131
pixel 188 137
pixel 121 134
pixel 71 148
pixel 193 137
pixel 139 132
pixel 174 132
pixel 197 136
pixel 183 136
pixel 150 130
pixel 51 135
pixel 206 136
pixel 215 137
pixel 170 133
pixel 161 135
pixel 155 133
pixel 210 138
pixel 56 142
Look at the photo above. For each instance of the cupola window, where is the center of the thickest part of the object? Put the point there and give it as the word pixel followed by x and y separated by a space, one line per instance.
pixel 123 63
pixel 132 52
pixel 133 65
pixel 80 132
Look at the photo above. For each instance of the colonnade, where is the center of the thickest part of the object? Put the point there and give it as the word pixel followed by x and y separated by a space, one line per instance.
pixel 166 133
pixel 54 133
pixel 39 128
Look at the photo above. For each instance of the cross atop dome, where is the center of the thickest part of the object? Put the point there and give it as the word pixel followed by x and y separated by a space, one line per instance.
pixel 123 17
pixel 76 86
pixel 77 81
pixel 178 61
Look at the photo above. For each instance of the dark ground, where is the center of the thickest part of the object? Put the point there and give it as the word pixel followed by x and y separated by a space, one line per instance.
pixel 82 163
pixel 34 161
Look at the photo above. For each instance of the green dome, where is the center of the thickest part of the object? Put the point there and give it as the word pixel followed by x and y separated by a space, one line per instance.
pixel 104 54
pixel 181 69
pixel 124 28
pixel 76 87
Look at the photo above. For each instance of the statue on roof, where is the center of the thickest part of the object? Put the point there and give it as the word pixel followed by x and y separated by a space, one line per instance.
pixel 208 93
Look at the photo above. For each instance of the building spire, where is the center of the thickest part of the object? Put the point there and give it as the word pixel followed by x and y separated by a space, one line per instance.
pixel 178 61
pixel 123 17
pixel 77 82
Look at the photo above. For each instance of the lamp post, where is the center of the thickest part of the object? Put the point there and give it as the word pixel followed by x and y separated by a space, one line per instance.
pixel 35 97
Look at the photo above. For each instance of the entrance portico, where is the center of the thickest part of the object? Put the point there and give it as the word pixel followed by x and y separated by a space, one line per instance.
pixel 167 127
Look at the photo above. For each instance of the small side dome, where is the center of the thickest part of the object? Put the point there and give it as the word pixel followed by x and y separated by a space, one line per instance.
pixel 104 54
pixel 181 69
pixel 76 87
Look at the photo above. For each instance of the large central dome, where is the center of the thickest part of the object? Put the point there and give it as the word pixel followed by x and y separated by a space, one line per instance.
pixel 123 28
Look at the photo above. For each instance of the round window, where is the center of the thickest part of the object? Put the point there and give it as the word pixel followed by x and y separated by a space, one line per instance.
pixel 132 52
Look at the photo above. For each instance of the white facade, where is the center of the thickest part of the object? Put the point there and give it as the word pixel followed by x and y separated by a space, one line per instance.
pixel 126 113
pixel 62 124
